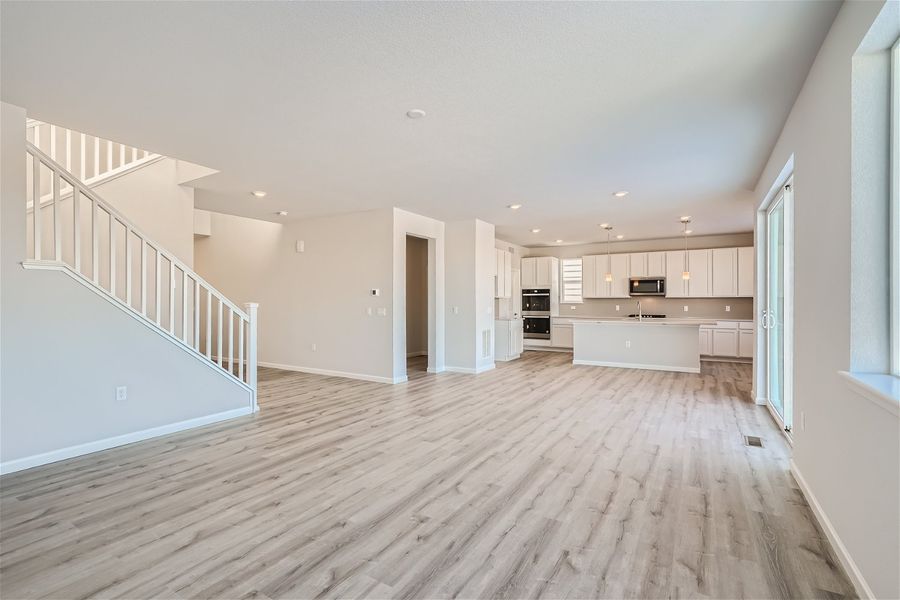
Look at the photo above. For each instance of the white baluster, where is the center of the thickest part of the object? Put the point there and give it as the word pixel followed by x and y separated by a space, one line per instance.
pixel 231 340
pixel 112 254
pixel 69 150
pixel 219 336
pixel 172 296
pixel 208 324
pixel 121 155
pixel 252 308
pixel 158 286
pixel 144 277
pixel 128 257
pixel 197 315
pixel 83 157
pixel 53 142
pixel 96 156
pixel 241 348
pixel 109 155
pixel 76 210
pixel 57 218
pixel 36 205
pixel 134 152
pixel 184 306
pixel 95 243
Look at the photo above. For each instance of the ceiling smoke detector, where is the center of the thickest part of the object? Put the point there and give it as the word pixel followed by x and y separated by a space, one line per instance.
pixel 259 194
pixel 415 113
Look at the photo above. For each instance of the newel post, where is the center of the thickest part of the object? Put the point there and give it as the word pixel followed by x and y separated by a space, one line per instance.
pixel 252 308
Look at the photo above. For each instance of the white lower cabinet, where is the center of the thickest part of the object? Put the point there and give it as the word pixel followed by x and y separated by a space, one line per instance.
pixel 745 344
pixel 725 342
pixel 562 336
pixel 507 339
pixel 727 339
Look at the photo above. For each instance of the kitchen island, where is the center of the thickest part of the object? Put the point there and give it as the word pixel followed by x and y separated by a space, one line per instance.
pixel 655 344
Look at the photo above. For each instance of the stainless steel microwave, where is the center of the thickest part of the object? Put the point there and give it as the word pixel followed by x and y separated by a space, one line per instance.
pixel 647 286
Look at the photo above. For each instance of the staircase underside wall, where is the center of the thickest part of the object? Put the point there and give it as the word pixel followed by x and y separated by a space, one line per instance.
pixel 64 350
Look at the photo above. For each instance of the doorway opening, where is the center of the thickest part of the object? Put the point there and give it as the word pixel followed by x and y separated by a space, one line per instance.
pixel 416 305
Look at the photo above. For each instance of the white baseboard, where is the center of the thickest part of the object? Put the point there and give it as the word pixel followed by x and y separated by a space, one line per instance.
pixel 417 353
pixel 331 373
pixel 508 358
pixel 856 578
pixel 470 370
pixel 761 401
pixel 602 363
pixel 36 460
pixel 436 369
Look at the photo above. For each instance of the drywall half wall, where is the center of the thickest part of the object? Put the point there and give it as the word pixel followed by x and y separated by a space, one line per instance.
pixel 64 350
pixel 845 452
pixel 416 296
pixel 324 287
pixel 470 296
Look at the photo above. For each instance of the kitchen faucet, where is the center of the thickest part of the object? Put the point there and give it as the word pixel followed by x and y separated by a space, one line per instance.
pixel 640 313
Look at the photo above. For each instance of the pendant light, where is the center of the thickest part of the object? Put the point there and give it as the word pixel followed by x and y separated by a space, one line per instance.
pixel 609 276
pixel 686 274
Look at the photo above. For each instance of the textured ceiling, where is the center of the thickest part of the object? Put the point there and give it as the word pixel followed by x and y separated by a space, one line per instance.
pixel 550 105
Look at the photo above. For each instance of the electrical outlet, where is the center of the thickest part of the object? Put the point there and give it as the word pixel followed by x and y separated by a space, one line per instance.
pixel 685 308
pixel 628 343
pixel 727 308
pixel 382 312
pixel 572 307
pixel 617 308
pixel 313 347
pixel 455 310
pixel 121 393
pixel 300 246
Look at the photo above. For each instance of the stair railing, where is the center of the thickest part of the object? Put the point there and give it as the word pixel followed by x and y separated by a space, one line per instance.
pixel 90 239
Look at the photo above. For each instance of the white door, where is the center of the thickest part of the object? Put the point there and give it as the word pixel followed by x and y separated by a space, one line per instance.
pixel 774 313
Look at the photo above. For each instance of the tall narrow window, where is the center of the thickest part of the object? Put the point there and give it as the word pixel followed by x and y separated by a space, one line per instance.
pixel 570 290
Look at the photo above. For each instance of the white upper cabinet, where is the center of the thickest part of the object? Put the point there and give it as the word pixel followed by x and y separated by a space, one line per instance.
pixel 724 272
pixel 637 266
pixel 699 264
pixel 656 264
pixel 676 287
pixel 745 282
pixel 589 281
pixel 619 269
pixel 539 272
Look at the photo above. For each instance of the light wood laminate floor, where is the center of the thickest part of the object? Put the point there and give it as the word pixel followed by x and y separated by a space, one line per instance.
pixel 538 479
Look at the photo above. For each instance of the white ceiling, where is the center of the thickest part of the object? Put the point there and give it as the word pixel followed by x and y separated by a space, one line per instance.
pixel 550 105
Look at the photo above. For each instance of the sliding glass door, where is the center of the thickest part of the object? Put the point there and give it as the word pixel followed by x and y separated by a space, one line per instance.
pixel 774 312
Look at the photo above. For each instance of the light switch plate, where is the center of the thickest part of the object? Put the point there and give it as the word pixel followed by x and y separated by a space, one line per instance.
pixel 121 393
pixel 727 308
pixel 685 308
pixel 300 246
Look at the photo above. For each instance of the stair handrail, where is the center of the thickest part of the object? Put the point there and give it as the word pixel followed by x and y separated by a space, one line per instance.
pixel 247 320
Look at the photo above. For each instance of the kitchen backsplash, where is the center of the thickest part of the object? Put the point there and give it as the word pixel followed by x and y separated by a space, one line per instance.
pixel 707 308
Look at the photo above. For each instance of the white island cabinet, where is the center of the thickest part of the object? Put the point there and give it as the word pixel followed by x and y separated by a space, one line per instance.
pixel 673 345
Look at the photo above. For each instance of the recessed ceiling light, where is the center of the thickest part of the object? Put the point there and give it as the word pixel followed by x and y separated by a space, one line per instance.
pixel 620 237
pixel 281 213
pixel 515 206
pixel 689 231
pixel 259 194
pixel 416 113
pixel 559 241
pixel 620 194
pixel 535 230
pixel 604 225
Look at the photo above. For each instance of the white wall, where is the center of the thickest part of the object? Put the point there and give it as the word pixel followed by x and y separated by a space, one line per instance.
pixel 847 454
pixel 470 295
pixel 152 198
pixel 318 297
pixel 64 349
pixel 416 296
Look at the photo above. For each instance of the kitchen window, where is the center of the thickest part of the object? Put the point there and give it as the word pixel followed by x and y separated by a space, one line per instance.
pixel 570 273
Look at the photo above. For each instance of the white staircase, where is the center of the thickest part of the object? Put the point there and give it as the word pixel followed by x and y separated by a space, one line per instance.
pixel 75 231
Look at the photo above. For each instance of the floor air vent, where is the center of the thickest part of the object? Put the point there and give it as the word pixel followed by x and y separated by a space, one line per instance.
pixel 753 440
